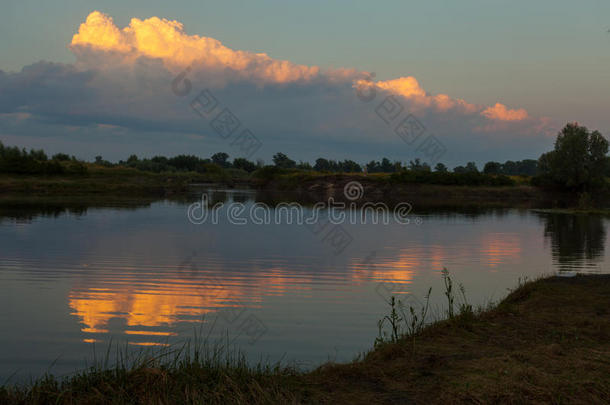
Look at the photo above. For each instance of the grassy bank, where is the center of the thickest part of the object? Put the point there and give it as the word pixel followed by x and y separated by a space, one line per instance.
pixel 101 180
pixel 389 188
pixel 547 342
pixel 440 191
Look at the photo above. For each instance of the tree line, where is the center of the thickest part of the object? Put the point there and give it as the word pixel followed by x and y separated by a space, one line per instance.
pixel 527 167
pixel 20 161
pixel 579 161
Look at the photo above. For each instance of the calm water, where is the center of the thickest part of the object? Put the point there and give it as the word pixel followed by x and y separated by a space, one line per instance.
pixel 73 280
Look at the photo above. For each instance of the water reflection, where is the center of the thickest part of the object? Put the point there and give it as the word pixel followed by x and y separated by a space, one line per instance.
pixel 500 247
pixel 144 307
pixel 25 209
pixel 142 273
pixel 576 240
pixel 395 270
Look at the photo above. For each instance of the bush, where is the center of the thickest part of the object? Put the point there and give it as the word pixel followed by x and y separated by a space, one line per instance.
pixel 76 168
pixel 19 161
pixel 61 157
pixel 268 173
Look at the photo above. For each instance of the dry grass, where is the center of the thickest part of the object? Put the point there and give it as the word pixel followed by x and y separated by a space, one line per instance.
pixel 547 342
pixel 112 182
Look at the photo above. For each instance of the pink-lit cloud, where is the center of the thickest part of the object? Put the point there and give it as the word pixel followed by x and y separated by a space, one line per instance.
pixel 502 113
pixel 166 40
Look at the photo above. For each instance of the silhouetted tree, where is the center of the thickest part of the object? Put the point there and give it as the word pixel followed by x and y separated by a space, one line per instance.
pixel 187 163
pixel 349 166
pixel 283 162
pixel 471 167
pixel 38 155
pixel 417 165
pixel 221 159
pixel 19 161
pixel 304 166
pixel 244 164
pixel 386 166
pixel 61 157
pixel 373 167
pixel 440 168
pixel 578 161
pixel 322 165
pixel 492 168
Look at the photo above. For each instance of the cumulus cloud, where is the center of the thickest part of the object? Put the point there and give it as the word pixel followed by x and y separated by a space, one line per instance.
pixel 166 40
pixel 122 79
pixel 502 113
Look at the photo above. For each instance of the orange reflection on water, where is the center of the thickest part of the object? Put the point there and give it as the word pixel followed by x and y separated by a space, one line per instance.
pixel 147 344
pixel 438 258
pixel 94 330
pixel 277 281
pixel 164 302
pixel 160 303
pixel 149 333
pixel 500 248
pixel 388 270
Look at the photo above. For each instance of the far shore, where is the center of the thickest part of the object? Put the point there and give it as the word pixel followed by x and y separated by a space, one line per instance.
pixel 310 187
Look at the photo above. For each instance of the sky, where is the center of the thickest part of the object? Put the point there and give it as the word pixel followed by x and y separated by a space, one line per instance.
pixel 486 80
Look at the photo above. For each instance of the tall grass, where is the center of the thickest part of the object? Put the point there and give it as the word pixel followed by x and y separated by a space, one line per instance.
pixel 196 371
pixel 407 322
pixel 403 321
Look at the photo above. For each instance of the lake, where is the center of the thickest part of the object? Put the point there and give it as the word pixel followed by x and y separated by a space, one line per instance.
pixel 75 279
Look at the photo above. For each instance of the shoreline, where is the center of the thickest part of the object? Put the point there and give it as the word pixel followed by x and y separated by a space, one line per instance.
pixel 548 341
pixel 300 187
